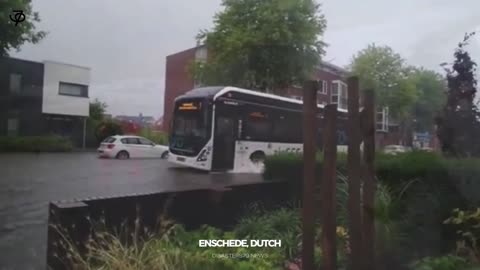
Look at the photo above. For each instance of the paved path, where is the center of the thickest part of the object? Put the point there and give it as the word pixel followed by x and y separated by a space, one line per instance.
pixel 29 181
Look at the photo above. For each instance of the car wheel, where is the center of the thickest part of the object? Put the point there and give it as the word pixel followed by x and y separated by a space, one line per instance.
pixel 258 157
pixel 165 154
pixel 123 155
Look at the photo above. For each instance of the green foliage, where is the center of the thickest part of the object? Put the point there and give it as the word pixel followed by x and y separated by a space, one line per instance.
pixel 262 44
pixel 289 166
pixel 413 95
pixel 157 137
pixel 431 89
pixel 416 192
pixel 459 125
pixel 448 262
pixel 467 225
pixel 97 110
pixel 403 167
pixel 106 129
pixel 284 224
pixel 11 36
pixel 382 69
pixel 175 248
pixel 35 144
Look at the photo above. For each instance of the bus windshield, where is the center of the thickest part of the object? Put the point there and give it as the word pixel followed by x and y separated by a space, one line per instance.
pixel 190 129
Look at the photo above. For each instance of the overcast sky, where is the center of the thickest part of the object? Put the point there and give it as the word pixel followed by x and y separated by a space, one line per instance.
pixel 125 42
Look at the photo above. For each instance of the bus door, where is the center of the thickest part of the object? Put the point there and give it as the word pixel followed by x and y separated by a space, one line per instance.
pixel 224 142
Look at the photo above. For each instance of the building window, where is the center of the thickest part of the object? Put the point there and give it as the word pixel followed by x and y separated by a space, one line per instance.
pixel 201 54
pixel 70 89
pixel 339 95
pixel 343 104
pixel 323 87
pixel 334 95
pixel 15 83
pixel 382 119
pixel 12 127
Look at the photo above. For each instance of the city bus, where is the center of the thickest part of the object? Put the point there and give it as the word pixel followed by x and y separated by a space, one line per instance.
pixel 232 129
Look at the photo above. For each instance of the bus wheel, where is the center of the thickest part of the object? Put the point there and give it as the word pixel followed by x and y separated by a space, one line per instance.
pixel 257 156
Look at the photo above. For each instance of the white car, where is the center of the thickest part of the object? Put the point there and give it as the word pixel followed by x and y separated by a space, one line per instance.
pixel 395 149
pixel 125 147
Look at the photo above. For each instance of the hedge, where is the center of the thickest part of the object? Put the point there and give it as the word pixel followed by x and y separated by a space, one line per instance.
pixel 392 169
pixel 35 144
pixel 429 186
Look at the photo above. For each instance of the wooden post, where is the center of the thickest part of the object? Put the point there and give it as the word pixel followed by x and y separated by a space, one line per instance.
pixel 369 186
pixel 328 189
pixel 354 179
pixel 309 151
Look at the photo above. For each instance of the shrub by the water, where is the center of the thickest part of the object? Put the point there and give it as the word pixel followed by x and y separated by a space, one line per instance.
pixel 35 144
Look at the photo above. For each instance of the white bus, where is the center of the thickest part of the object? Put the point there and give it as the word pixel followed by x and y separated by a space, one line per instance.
pixel 232 129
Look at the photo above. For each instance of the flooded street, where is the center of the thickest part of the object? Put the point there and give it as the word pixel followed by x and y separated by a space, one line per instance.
pixel 29 181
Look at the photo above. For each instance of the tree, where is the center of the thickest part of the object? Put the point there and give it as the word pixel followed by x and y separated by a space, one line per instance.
pixel 13 36
pixel 263 45
pixel 95 119
pixel 97 110
pixel 431 89
pixel 458 125
pixel 382 69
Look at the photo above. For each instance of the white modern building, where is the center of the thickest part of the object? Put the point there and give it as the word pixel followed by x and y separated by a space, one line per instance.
pixel 43 98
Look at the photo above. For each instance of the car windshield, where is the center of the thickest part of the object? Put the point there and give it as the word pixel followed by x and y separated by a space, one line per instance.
pixel 190 129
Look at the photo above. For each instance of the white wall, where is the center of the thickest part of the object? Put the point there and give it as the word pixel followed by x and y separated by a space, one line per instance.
pixel 55 103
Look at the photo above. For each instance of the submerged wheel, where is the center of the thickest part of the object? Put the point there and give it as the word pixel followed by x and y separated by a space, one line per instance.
pixel 257 157
pixel 123 155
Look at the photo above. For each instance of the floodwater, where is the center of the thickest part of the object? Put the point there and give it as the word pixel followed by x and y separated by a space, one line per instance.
pixel 28 182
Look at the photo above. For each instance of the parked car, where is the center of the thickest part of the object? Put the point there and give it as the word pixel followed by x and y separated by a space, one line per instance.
pixel 125 147
pixel 395 149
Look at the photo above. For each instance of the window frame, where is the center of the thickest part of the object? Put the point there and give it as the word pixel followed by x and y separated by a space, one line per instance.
pixel 84 89
pixel 324 87
pixel 150 143
pixel 341 93
pixel 10 82
pixel 383 113
pixel 13 132
pixel 129 139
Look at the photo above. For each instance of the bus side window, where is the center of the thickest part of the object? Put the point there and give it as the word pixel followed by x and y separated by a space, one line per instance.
pixel 287 127
pixel 257 129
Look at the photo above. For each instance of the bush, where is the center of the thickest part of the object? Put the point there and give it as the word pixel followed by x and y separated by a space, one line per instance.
pixel 106 129
pixel 157 137
pixel 448 262
pixel 35 144
pixel 289 166
pixel 429 185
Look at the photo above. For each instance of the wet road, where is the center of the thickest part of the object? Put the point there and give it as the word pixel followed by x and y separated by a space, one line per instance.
pixel 29 181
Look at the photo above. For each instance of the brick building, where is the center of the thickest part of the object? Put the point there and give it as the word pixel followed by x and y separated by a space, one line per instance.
pixel 331 77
